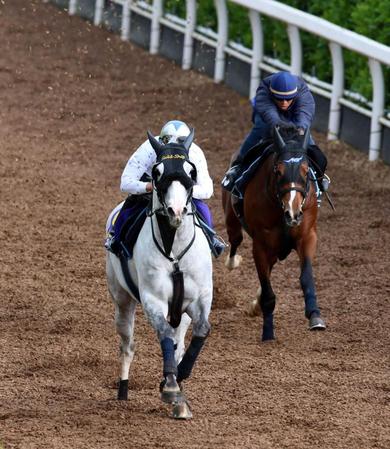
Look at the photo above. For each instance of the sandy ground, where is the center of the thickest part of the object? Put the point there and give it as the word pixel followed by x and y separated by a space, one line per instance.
pixel 74 103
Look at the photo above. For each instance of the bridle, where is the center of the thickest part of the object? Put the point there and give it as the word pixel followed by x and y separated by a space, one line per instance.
pixel 163 212
pixel 303 186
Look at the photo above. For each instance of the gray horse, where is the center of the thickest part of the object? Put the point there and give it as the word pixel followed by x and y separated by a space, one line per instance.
pixel 170 274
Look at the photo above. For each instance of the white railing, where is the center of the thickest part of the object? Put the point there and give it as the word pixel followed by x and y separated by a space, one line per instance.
pixel 338 38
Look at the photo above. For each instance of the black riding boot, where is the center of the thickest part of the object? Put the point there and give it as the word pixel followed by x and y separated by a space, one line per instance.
pixel 232 174
pixel 216 244
pixel 320 163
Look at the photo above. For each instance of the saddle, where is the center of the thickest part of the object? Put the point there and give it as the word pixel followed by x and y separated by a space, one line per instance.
pixel 137 209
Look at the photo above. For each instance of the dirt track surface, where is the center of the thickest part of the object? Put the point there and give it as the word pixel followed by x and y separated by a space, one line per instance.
pixel 74 103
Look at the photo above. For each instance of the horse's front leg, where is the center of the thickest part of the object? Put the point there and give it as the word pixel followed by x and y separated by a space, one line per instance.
pixel 306 250
pixel 156 312
pixel 200 331
pixel 264 264
pixel 234 231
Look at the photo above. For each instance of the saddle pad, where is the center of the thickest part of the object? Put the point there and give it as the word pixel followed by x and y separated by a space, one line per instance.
pixel 132 228
pixel 112 218
pixel 248 172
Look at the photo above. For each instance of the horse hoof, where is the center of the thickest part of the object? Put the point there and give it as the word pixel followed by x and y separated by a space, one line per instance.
pixel 233 262
pixel 316 324
pixel 170 393
pixel 181 410
pixel 170 397
pixel 254 308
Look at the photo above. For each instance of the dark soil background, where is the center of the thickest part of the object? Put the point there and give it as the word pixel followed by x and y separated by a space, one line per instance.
pixel 75 102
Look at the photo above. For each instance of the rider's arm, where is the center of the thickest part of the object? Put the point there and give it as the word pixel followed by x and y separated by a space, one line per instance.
pixel 138 164
pixel 203 189
pixel 304 108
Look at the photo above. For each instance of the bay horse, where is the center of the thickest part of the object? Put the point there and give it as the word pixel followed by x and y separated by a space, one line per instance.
pixel 280 214
pixel 170 272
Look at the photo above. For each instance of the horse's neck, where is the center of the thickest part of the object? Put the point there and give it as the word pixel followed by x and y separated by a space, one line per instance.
pixel 266 179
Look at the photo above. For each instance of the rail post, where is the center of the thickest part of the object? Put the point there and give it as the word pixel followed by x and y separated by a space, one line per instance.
pixel 155 28
pixel 188 46
pixel 257 49
pixel 378 104
pixel 72 8
pixel 98 16
pixel 337 90
pixel 222 14
pixel 126 17
pixel 296 49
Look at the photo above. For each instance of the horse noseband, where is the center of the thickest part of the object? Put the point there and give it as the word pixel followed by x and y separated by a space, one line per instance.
pixel 297 188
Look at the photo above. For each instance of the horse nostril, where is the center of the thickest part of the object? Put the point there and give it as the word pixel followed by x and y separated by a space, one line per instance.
pixel 185 210
pixel 171 212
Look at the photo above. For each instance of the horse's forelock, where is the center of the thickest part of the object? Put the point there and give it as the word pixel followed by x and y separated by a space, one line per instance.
pixel 294 141
pixel 290 133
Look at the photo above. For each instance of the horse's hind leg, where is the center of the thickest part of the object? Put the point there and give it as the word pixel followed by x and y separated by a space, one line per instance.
pixel 267 296
pixel 180 334
pixel 124 321
pixel 254 306
pixel 234 231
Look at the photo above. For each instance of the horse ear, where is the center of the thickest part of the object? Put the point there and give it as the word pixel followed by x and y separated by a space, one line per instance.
pixel 306 138
pixel 278 139
pixel 187 143
pixel 157 147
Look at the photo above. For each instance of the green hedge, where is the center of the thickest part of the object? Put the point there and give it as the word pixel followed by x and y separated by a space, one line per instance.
pixel 367 17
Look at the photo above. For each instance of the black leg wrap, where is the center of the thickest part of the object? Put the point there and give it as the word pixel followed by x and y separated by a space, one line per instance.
pixel 123 390
pixel 168 350
pixel 309 290
pixel 185 366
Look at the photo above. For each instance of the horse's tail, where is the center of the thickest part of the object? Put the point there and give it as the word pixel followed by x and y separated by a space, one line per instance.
pixel 177 299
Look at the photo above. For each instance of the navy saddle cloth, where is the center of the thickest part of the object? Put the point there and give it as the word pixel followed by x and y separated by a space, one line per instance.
pixel 252 160
pixel 136 210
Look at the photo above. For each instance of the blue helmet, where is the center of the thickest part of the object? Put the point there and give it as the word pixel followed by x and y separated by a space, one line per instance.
pixel 284 86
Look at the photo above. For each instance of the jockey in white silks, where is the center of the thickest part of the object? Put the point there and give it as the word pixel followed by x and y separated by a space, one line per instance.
pixel 136 181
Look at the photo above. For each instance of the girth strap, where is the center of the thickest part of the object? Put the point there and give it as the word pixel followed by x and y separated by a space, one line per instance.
pixel 126 273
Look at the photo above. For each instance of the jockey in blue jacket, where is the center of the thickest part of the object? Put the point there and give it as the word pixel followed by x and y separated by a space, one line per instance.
pixel 281 99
